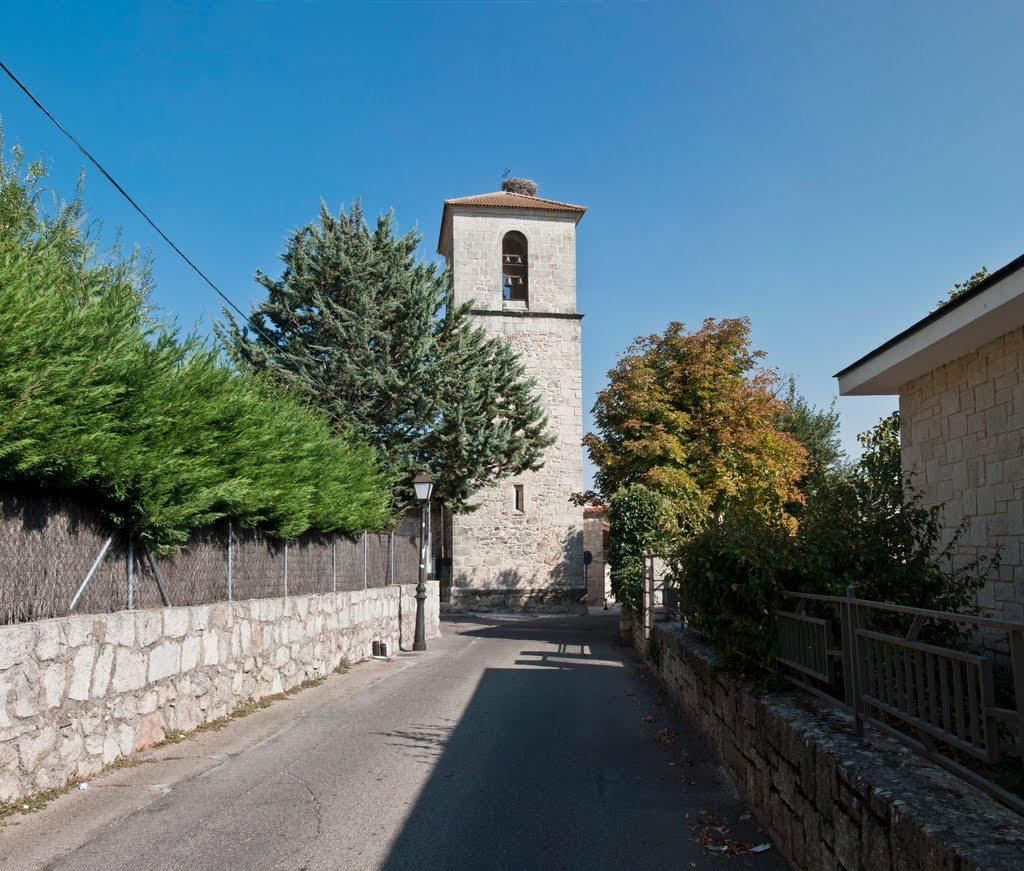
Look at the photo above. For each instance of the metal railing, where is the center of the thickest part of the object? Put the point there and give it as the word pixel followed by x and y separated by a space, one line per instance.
pixel 929 696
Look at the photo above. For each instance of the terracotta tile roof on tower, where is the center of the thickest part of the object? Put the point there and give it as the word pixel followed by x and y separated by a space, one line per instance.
pixel 503 199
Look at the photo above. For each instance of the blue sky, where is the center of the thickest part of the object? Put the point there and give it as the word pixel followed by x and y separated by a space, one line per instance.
pixel 825 171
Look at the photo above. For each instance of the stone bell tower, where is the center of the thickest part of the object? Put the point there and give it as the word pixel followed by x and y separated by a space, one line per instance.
pixel 514 256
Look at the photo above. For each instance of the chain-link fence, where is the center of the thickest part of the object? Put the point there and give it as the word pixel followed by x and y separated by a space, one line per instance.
pixel 56 559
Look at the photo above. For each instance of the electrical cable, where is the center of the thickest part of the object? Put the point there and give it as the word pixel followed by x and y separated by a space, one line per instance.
pixel 136 206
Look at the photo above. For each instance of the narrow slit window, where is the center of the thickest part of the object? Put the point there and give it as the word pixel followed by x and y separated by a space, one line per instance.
pixel 520 499
pixel 514 267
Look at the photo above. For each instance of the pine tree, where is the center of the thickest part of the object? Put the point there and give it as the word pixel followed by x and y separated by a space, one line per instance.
pixel 369 333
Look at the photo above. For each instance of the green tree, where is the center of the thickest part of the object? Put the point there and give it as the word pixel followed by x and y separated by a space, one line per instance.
pixel 870 527
pixel 641 522
pixel 99 399
pixel 817 429
pixel 692 416
pixel 863 525
pixel 369 334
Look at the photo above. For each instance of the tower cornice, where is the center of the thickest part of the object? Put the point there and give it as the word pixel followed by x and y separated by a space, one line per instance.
pixel 504 201
pixel 524 313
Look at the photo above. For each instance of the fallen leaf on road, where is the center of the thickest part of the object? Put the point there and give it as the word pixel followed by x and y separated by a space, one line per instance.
pixel 724 846
pixel 648 719
pixel 667 735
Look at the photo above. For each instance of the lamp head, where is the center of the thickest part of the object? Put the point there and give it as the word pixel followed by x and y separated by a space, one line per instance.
pixel 423 484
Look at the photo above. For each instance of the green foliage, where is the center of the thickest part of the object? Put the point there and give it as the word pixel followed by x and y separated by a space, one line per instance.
pixel 870 528
pixel 97 398
pixel 729 575
pixel 960 289
pixel 642 521
pixel 817 429
pixel 369 334
pixel 865 525
pixel 690 415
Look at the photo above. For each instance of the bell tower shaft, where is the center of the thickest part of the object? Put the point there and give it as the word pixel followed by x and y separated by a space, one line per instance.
pixel 514 257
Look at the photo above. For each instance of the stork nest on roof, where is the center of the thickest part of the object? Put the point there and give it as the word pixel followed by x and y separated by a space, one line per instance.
pixel 525 186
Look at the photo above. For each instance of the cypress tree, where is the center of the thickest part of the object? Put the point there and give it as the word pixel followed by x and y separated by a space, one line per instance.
pixel 369 333
pixel 100 400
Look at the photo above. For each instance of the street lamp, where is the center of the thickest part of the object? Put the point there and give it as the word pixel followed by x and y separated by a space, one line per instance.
pixel 423 484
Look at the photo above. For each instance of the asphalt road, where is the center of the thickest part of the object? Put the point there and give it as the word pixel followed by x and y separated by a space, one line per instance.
pixel 510 744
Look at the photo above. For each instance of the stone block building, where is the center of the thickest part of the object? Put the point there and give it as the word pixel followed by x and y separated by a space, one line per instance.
pixel 514 257
pixel 957 373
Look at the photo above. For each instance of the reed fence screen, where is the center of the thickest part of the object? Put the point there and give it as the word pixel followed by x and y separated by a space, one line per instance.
pixel 56 558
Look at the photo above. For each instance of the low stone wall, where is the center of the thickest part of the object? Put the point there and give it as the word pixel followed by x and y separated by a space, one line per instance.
pixel 77 692
pixel 553 600
pixel 827 799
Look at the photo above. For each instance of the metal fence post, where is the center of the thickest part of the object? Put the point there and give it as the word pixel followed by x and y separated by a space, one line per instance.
pixel 334 563
pixel 286 568
pixel 231 591
pixel 90 573
pixel 131 574
pixel 847 656
pixel 1017 664
pixel 649 609
pixel 391 558
pixel 366 560
pixel 158 575
pixel 851 648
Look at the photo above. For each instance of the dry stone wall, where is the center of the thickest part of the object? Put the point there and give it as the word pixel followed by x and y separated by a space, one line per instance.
pixel 961 434
pixel 827 799
pixel 78 692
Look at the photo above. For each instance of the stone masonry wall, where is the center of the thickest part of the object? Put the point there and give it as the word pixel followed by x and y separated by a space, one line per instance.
pixel 961 434
pixel 598 587
pixel 498 547
pixel 826 799
pixel 551 254
pixel 502 555
pixel 77 692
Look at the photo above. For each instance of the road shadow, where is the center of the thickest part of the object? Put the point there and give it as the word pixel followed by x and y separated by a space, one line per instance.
pixel 572 759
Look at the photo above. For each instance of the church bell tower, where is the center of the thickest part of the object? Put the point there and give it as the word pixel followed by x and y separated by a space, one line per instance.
pixel 514 256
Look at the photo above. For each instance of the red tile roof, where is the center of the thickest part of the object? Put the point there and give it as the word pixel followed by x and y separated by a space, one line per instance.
pixel 501 200
pixel 506 200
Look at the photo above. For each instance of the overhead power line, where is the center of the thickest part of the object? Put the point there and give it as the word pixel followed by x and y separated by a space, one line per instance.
pixel 134 204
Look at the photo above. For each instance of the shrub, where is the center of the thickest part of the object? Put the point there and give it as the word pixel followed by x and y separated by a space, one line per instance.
pixel 729 575
pixel 99 399
pixel 869 527
pixel 641 521
pixel 865 525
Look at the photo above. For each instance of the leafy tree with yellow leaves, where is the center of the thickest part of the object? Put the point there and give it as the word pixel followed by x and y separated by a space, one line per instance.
pixel 693 416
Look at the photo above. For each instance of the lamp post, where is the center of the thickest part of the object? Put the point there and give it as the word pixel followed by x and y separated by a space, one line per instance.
pixel 423 484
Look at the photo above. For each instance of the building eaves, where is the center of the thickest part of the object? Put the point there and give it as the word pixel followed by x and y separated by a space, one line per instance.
pixel 941 312
pixel 506 200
